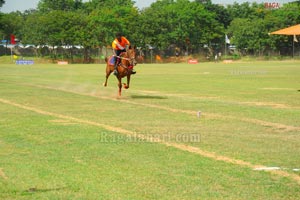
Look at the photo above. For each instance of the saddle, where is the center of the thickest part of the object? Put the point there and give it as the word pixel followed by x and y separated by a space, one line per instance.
pixel 112 59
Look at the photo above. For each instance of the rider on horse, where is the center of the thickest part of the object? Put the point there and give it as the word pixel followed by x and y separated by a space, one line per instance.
pixel 119 46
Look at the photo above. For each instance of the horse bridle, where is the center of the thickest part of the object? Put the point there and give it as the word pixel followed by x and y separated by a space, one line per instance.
pixel 132 61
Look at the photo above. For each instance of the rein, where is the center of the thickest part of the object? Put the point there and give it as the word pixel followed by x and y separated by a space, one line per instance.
pixel 130 60
pixel 122 58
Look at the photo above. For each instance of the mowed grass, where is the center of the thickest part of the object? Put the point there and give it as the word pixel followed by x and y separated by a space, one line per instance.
pixel 65 136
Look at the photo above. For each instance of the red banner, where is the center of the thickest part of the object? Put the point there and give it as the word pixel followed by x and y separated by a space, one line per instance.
pixel 12 39
pixel 193 61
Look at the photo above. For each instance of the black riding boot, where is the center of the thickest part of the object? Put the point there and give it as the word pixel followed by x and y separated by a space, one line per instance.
pixel 116 68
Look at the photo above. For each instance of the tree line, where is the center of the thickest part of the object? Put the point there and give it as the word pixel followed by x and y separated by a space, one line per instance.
pixel 193 26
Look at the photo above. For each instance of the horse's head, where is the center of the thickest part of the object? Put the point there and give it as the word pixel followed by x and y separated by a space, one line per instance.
pixel 131 52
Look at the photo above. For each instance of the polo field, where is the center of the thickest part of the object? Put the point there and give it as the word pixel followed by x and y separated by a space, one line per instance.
pixel 181 131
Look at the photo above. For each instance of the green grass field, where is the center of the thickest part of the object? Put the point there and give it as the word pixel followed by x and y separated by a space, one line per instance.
pixel 180 132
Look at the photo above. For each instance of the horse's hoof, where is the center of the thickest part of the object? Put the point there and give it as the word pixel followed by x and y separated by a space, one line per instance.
pixel 125 86
pixel 104 84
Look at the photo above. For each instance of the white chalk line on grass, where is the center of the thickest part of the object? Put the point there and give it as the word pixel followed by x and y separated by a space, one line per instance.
pixel 218 99
pixel 278 126
pixel 183 147
pixel 2 174
pixel 291 89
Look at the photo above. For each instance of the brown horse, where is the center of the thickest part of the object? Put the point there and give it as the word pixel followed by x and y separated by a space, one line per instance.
pixel 126 64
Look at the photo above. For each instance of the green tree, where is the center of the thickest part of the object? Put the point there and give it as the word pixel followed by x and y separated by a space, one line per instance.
pixel 104 22
pixel 287 15
pixel 166 23
pixel 1 21
pixel 56 28
pixel 11 23
pixel 203 1
pixel 2 2
pixel 252 23
pixel 65 5
pixel 222 14
pixel 183 23
pixel 251 36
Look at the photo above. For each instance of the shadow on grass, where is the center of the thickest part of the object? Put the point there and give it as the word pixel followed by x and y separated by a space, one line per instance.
pixel 36 190
pixel 147 97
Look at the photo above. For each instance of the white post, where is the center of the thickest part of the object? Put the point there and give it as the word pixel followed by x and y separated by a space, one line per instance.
pixel 225 46
pixel 11 54
pixel 293 46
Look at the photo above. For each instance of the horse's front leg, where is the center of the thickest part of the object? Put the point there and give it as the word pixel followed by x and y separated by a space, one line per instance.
pixel 120 86
pixel 128 81
pixel 105 83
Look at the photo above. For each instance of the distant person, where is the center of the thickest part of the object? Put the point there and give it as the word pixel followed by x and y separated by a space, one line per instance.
pixel 158 58
pixel 141 55
pixel 216 58
pixel 177 50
